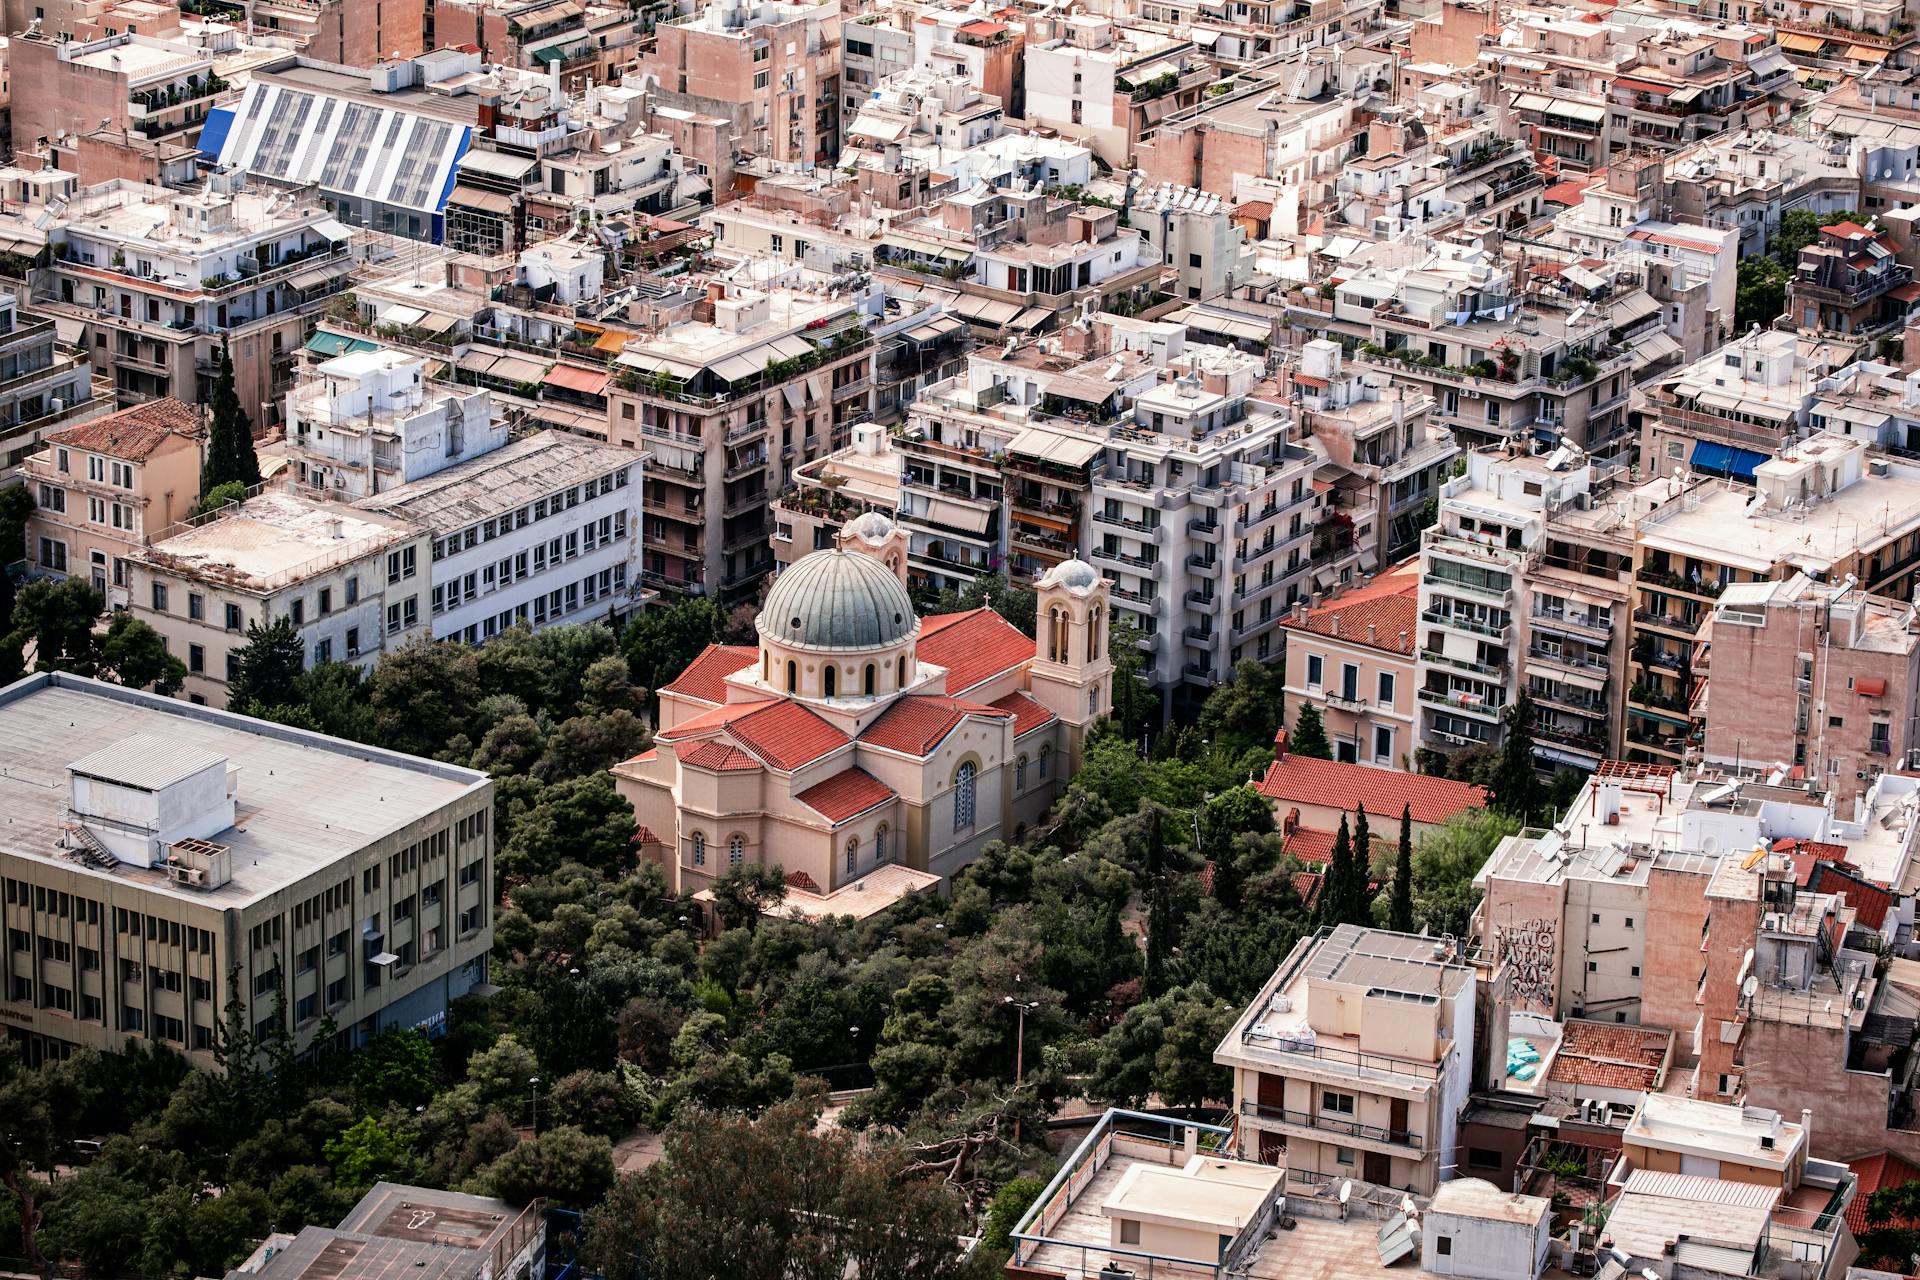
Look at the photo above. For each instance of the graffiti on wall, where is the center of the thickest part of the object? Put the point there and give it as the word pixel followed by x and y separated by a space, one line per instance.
pixel 1528 949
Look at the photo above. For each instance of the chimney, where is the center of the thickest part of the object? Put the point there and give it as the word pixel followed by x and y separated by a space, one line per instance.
pixel 1292 823
pixel 1370 632
pixel 715 291
pixel 1403 639
pixel 1280 744
pixel 1335 624
pixel 1300 607
pixel 1806 1126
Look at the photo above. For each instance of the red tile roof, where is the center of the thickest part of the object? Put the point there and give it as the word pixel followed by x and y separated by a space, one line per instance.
pixel 1307 885
pixel 1876 1172
pixel 1607 1055
pixel 786 735
pixel 705 676
pixel 708 722
pixel 1390 605
pixel 918 723
pixel 1294 779
pixel 1568 193
pixel 1846 230
pixel 846 795
pixel 1311 846
pixel 972 646
pixel 1869 901
pixel 801 880
pixel 133 433
pixel 719 757
pixel 1028 715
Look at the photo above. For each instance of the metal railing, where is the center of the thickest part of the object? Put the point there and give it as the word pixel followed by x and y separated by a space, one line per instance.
pixel 1332 1124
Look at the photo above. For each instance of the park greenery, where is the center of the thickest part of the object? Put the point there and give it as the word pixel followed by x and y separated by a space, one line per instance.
pixel 1122 936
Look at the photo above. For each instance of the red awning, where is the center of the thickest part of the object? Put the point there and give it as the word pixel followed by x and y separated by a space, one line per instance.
pixel 1870 687
pixel 572 378
pixel 1907 292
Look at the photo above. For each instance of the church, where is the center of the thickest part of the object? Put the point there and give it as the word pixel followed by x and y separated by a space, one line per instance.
pixel 867 751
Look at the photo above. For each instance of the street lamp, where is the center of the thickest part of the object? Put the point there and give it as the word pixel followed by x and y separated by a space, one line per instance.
pixel 1021 1007
pixel 533 1097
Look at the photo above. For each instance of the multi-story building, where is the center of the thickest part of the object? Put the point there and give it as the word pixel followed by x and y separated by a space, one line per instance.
pixel 160 281
pixel 351 582
pixel 368 422
pixel 1849 282
pixel 44 385
pixel 1730 410
pixel 1355 1060
pixel 728 399
pixel 103 488
pixel 155 853
pixel 1101 83
pixel 542 530
pixel 1826 676
pixel 1353 659
pixel 771 67
pixel 138 83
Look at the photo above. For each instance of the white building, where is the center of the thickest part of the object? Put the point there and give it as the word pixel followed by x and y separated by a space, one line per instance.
pixel 371 421
pixel 542 530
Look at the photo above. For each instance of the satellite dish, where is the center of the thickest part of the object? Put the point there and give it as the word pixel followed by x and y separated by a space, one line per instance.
pixel 1346 1191
pixel 1748 987
pixel 1407 1206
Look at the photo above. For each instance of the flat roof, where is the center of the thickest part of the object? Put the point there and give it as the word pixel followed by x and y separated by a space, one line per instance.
pixel 1693 1124
pixel 401 1212
pixel 305 800
pixel 272 540
pixel 146 762
pixel 506 478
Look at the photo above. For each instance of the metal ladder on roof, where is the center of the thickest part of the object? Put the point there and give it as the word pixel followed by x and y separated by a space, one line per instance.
pixel 91 851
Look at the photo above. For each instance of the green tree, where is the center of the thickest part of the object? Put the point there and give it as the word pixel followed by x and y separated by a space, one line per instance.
pixel 581 820
pixel 744 893
pixel 232 491
pixel 1800 228
pixel 395 1067
pixel 230 452
pixel 1132 697
pixel 1516 788
pixel 16 508
pixel 57 618
pixel 565 1164
pixel 1010 1203
pixel 1445 862
pixel 1400 904
pixel 267 669
pixel 368 1152
pixel 1309 736
pixel 1243 713
pixel 1892 1237
pixel 134 655
pixel 1760 293
pixel 1358 908
pixel 660 642
pixel 1336 892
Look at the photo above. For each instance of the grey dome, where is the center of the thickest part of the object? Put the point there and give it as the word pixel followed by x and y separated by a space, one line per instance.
pixel 837 600
pixel 1076 575
pixel 871 527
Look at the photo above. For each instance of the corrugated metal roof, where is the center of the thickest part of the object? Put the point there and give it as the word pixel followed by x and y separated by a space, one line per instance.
pixel 1692 1186
pixel 146 761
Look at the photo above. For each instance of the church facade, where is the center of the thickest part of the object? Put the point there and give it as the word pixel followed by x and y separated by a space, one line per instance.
pixel 866 751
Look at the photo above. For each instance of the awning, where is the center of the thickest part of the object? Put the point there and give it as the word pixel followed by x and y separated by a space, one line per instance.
pixel 1576 111
pixel 1581 680
pixel 497 164
pixel 1725 459
pixel 742 365
pixel 474 198
pixel 795 397
pixel 330 345
pixel 789 347
pixel 476 362
pixel 1866 53
pixel 1684 94
pixel 1635 306
pixel 569 377
pixel 934 329
pixel 514 369
pixel 312 279
pixel 1870 687
pixel 985 311
pixel 333 229
pixel 402 315
pixel 213 134
pixel 957 516
pixel 1059 447
pixel 1030 319
pixel 926 248
pixel 657 364
pixel 20 248
pixel 1653 348
pixel 1801 44
pixel 1205 38
pixel 879 130
pixel 611 340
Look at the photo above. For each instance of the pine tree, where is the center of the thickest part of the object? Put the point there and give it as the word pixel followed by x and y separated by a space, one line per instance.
pixel 1359 902
pixel 1309 736
pixel 1400 905
pixel 1516 781
pixel 230 454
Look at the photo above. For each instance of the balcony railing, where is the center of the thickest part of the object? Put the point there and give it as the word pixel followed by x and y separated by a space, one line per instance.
pixel 1332 1124
pixel 1460 623
pixel 1482 669
pixel 1471 703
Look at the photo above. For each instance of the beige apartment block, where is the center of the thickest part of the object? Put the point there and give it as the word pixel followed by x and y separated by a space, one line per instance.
pixel 1353 658
pixel 1355 1060
pixel 103 489
pixel 156 852
pixel 353 583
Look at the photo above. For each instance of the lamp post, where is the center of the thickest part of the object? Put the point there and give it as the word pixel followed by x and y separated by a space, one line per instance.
pixel 1021 1007
pixel 533 1098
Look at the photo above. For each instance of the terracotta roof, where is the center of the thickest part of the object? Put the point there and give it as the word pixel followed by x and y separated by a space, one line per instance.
pixel 1309 845
pixel 133 433
pixel 972 646
pixel 917 723
pixel 1261 209
pixel 708 722
pixel 644 835
pixel 786 735
pixel 1028 715
pixel 845 795
pixel 1846 230
pixel 1297 779
pixel 1869 901
pixel 1608 1055
pixel 706 675
pixel 801 880
pixel 1877 1172
pixel 1307 885
pixel 1390 604
pixel 719 757
pixel 1569 193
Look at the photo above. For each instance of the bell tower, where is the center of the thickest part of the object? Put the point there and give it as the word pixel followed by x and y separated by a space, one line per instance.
pixel 1071 674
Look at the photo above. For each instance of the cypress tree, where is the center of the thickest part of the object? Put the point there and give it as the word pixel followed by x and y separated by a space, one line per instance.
pixel 1400 906
pixel 1335 895
pixel 230 452
pixel 1309 734
pixel 1358 909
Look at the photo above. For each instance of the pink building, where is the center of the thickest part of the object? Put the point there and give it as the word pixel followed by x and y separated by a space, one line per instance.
pixel 1353 658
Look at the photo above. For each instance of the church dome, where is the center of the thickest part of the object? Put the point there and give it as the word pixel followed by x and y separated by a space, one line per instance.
pixel 837 600
pixel 871 527
pixel 1075 575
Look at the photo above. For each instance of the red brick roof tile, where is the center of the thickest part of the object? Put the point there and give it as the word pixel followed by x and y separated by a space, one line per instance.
pixel 846 795
pixel 1877 1172
pixel 918 723
pixel 719 757
pixel 1294 779
pixel 1307 885
pixel 1389 604
pixel 1608 1055
pixel 1028 715
pixel 972 646
pixel 786 735
pixel 801 880
pixel 1869 901
pixel 705 677
pixel 1310 846
pixel 133 433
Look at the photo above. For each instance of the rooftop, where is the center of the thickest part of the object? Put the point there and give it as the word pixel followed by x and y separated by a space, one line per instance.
pixel 305 800
pixel 1382 615
pixel 508 478
pixel 133 434
pixel 1746 1135
pixel 1296 779
pixel 274 539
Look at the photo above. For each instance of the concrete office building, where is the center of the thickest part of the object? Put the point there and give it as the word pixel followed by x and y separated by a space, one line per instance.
pixel 155 851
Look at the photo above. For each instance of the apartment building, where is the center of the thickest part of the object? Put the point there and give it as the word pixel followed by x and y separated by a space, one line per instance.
pixel 1849 282
pixel 350 33
pixel 1730 410
pixel 1821 507
pixel 44 384
pixel 1385 462
pixel 138 83
pixel 1352 658
pixel 353 583
pixel 541 530
pixel 576 44
pixel 160 280
pixel 181 849
pixel 103 488
pixel 772 68
pixel 740 386
pixel 366 422
pixel 1355 1060
pixel 1196 237
pixel 1827 680
pixel 1099 82
pixel 828 493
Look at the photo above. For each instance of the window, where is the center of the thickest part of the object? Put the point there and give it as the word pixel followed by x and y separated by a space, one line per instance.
pixel 880 843
pixel 400 564
pixel 233 617
pixel 1483 1158
pixel 1020 775
pixel 1386 689
pixel 736 850
pixel 339 991
pixel 1339 1104
pixel 1129 1231
pixel 1443 1246
pixel 1316 670
pixel 853 853
pixel 1636 970
pixel 1046 761
pixel 159 597
pixel 699 849
pixel 323 651
pixel 1382 742
pixel 53 555
pixel 1342 1156
pixel 196 606
pixel 963 795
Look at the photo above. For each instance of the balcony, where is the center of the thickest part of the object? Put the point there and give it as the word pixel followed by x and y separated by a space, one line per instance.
pixel 744 431
pixel 1459 623
pixel 1696 586
pixel 1122 557
pixel 744 467
pixel 1573 624
pixel 1204 528
pixel 1455 700
pixel 1667 621
pixel 1204 566
pixel 1585 743
pixel 1202 636
pixel 1484 670
pixel 1125 522
pixel 1863 288
pixel 1502 594
pixel 1562 658
pixel 1316 1125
